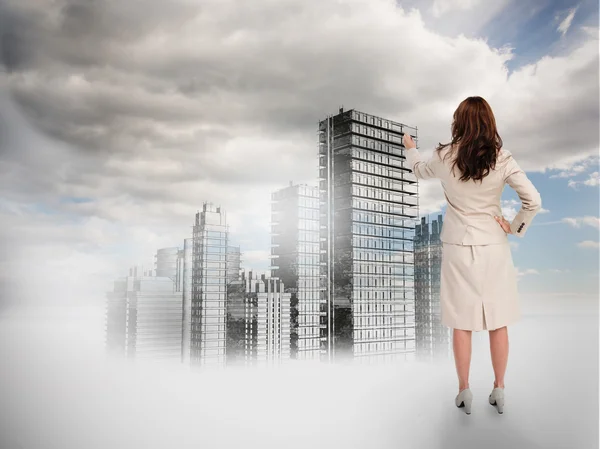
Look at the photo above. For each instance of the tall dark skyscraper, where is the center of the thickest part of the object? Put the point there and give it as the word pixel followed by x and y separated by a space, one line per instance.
pixel 295 260
pixel 368 209
pixel 433 339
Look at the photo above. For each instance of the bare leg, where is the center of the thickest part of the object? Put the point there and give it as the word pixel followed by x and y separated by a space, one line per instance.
pixel 499 352
pixel 461 343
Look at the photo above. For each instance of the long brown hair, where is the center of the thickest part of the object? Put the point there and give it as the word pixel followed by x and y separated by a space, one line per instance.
pixel 475 139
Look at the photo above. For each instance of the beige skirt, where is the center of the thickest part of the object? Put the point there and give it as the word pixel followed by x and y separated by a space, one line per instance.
pixel 478 288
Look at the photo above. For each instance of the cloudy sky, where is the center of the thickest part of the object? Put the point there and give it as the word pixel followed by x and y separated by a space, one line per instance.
pixel 119 119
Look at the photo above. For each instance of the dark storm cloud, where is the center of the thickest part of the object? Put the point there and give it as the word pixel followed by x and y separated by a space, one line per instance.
pixel 83 32
pixel 140 77
pixel 19 32
pixel 231 91
pixel 99 70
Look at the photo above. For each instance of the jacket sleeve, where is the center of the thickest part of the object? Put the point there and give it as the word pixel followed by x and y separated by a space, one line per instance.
pixel 422 169
pixel 531 201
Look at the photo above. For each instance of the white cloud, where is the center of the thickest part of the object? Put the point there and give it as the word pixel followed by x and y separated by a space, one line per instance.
pixel 565 24
pixel 441 7
pixel 573 168
pixel 593 180
pixel 471 18
pixel 578 222
pixel 510 208
pixel 559 271
pixel 589 244
pixel 527 272
pixel 107 402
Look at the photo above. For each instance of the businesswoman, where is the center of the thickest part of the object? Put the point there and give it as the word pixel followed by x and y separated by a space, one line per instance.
pixel 478 280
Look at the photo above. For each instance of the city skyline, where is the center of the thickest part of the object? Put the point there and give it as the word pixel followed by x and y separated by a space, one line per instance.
pixel 348 264
pixel 325 236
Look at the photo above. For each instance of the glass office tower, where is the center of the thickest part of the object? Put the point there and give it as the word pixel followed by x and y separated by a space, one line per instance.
pixel 207 312
pixel 369 207
pixel 432 338
pixel 295 260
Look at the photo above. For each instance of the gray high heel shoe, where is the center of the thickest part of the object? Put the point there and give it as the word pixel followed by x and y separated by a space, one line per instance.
pixel 497 399
pixel 464 399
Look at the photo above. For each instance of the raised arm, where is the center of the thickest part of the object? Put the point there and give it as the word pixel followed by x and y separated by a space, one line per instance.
pixel 531 201
pixel 422 169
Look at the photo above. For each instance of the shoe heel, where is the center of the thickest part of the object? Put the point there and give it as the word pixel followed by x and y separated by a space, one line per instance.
pixel 500 405
pixel 464 400
pixel 497 400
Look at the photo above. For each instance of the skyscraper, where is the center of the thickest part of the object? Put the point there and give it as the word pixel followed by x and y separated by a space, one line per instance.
pixel 166 262
pixel 273 320
pixel 144 317
pixel 295 260
pixel 368 198
pixel 433 339
pixel 206 314
pixel 258 321
pixel 242 324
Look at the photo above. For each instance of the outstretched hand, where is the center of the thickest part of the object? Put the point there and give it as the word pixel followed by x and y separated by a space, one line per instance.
pixel 408 141
pixel 504 224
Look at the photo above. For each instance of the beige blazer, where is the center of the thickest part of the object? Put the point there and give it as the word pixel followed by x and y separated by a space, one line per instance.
pixel 472 205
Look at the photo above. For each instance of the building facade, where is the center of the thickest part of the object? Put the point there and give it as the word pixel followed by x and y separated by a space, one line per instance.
pixel 273 305
pixel 234 264
pixel 368 211
pixel 242 324
pixel 432 338
pixel 143 317
pixel 258 321
pixel 296 261
pixel 166 262
pixel 206 314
